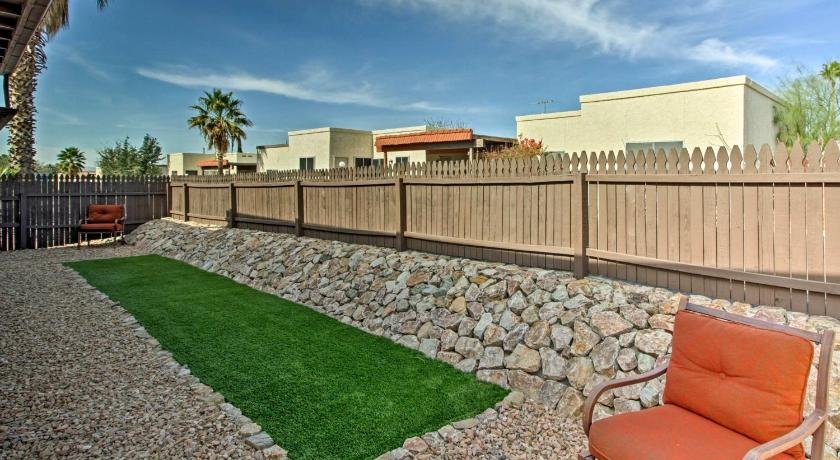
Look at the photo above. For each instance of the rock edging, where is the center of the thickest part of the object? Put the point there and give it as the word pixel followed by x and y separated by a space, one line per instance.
pixel 541 332
pixel 250 432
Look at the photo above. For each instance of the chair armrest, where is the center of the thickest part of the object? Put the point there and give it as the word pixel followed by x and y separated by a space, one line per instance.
pixel 599 389
pixel 783 443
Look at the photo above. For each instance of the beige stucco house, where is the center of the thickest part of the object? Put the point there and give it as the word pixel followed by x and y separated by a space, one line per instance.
pixel 720 112
pixel 205 163
pixel 339 147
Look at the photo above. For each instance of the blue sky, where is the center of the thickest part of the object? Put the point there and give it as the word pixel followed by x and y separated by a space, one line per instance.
pixel 369 64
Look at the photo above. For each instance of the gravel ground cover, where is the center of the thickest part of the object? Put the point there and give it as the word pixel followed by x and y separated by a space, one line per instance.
pixel 75 382
pixel 319 387
pixel 529 431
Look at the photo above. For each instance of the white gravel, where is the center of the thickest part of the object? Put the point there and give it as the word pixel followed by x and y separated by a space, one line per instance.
pixel 526 432
pixel 75 380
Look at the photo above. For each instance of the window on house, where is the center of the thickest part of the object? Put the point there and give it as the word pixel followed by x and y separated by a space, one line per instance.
pixel 191 172
pixel 368 162
pixel 655 146
pixel 401 160
pixel 307 164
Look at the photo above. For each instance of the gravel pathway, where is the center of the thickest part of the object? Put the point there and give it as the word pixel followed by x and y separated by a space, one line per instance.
pixel 528 431
pixel 75 381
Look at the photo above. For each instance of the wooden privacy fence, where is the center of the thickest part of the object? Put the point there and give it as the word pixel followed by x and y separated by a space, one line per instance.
pixel 39 211
pixel 756 225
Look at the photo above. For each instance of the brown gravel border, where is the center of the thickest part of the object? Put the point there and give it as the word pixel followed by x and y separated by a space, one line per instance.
pixel 515 428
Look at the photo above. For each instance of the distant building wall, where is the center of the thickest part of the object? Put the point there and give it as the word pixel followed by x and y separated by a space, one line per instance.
pixel 759 127
pixel 347 145
pixel 186 163
pixel 273 157
pixel 326 147
pixel 331 147
pixel 727 111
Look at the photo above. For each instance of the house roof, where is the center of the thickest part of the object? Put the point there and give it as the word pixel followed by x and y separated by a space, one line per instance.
pixel 18 21
pixel 429 137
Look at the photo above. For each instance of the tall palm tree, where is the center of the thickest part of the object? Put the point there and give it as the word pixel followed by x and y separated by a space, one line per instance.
pixel 219 118
pixel 24 81
pixel 71 160
pixel 831 73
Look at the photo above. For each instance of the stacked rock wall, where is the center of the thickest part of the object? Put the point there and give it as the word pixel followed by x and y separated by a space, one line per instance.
pixel 542 332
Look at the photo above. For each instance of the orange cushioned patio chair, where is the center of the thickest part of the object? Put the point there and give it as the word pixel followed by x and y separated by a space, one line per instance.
pixel 104 219
pixel 735 388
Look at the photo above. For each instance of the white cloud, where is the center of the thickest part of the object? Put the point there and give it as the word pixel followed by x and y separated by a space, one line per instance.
pixel 316 85
pixel 61 118
pixel 713 50
pixel 608 26
pixel 73 56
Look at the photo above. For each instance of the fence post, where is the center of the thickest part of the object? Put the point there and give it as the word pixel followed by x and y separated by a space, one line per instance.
pixel 299 205
pixel 168 211
pixel 400 189
pixel 580 236
pixel 23 212
pixel 232 207
pixel 186 201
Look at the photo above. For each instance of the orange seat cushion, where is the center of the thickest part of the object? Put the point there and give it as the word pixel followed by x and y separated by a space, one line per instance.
pixel 102 213
pixel 112 227
pixel 666 432
pixel 749 380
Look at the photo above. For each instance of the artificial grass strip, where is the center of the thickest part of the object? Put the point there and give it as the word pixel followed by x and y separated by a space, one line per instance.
pixel 320 388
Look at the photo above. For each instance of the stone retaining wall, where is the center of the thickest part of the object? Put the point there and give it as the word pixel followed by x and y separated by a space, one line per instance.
pixel 542 332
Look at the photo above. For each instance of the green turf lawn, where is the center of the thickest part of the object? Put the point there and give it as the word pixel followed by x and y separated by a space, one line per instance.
pixel 320 388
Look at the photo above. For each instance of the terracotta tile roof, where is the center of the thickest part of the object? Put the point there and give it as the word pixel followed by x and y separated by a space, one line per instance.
pixel 211 163
pixel 426 137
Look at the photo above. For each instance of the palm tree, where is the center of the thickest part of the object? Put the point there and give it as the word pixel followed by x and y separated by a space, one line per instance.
pixel 71 161
pixel 24 81
pixel 831 73
pixel 220 120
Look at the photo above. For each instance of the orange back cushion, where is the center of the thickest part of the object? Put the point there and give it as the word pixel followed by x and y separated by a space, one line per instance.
pixel 749 380
pixel 104 213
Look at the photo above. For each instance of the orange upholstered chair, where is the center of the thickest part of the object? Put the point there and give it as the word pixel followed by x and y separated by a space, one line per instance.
pixel 735 388
pixel 102 219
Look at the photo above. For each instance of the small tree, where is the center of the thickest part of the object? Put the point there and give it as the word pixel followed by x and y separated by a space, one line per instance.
pixel 71 160
pixel 831 73
pixel 437 124
pixel 46 168
pixel 524 148
pixel 121 159
pixel 125 159
pixel 808 111
pixel 149 156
